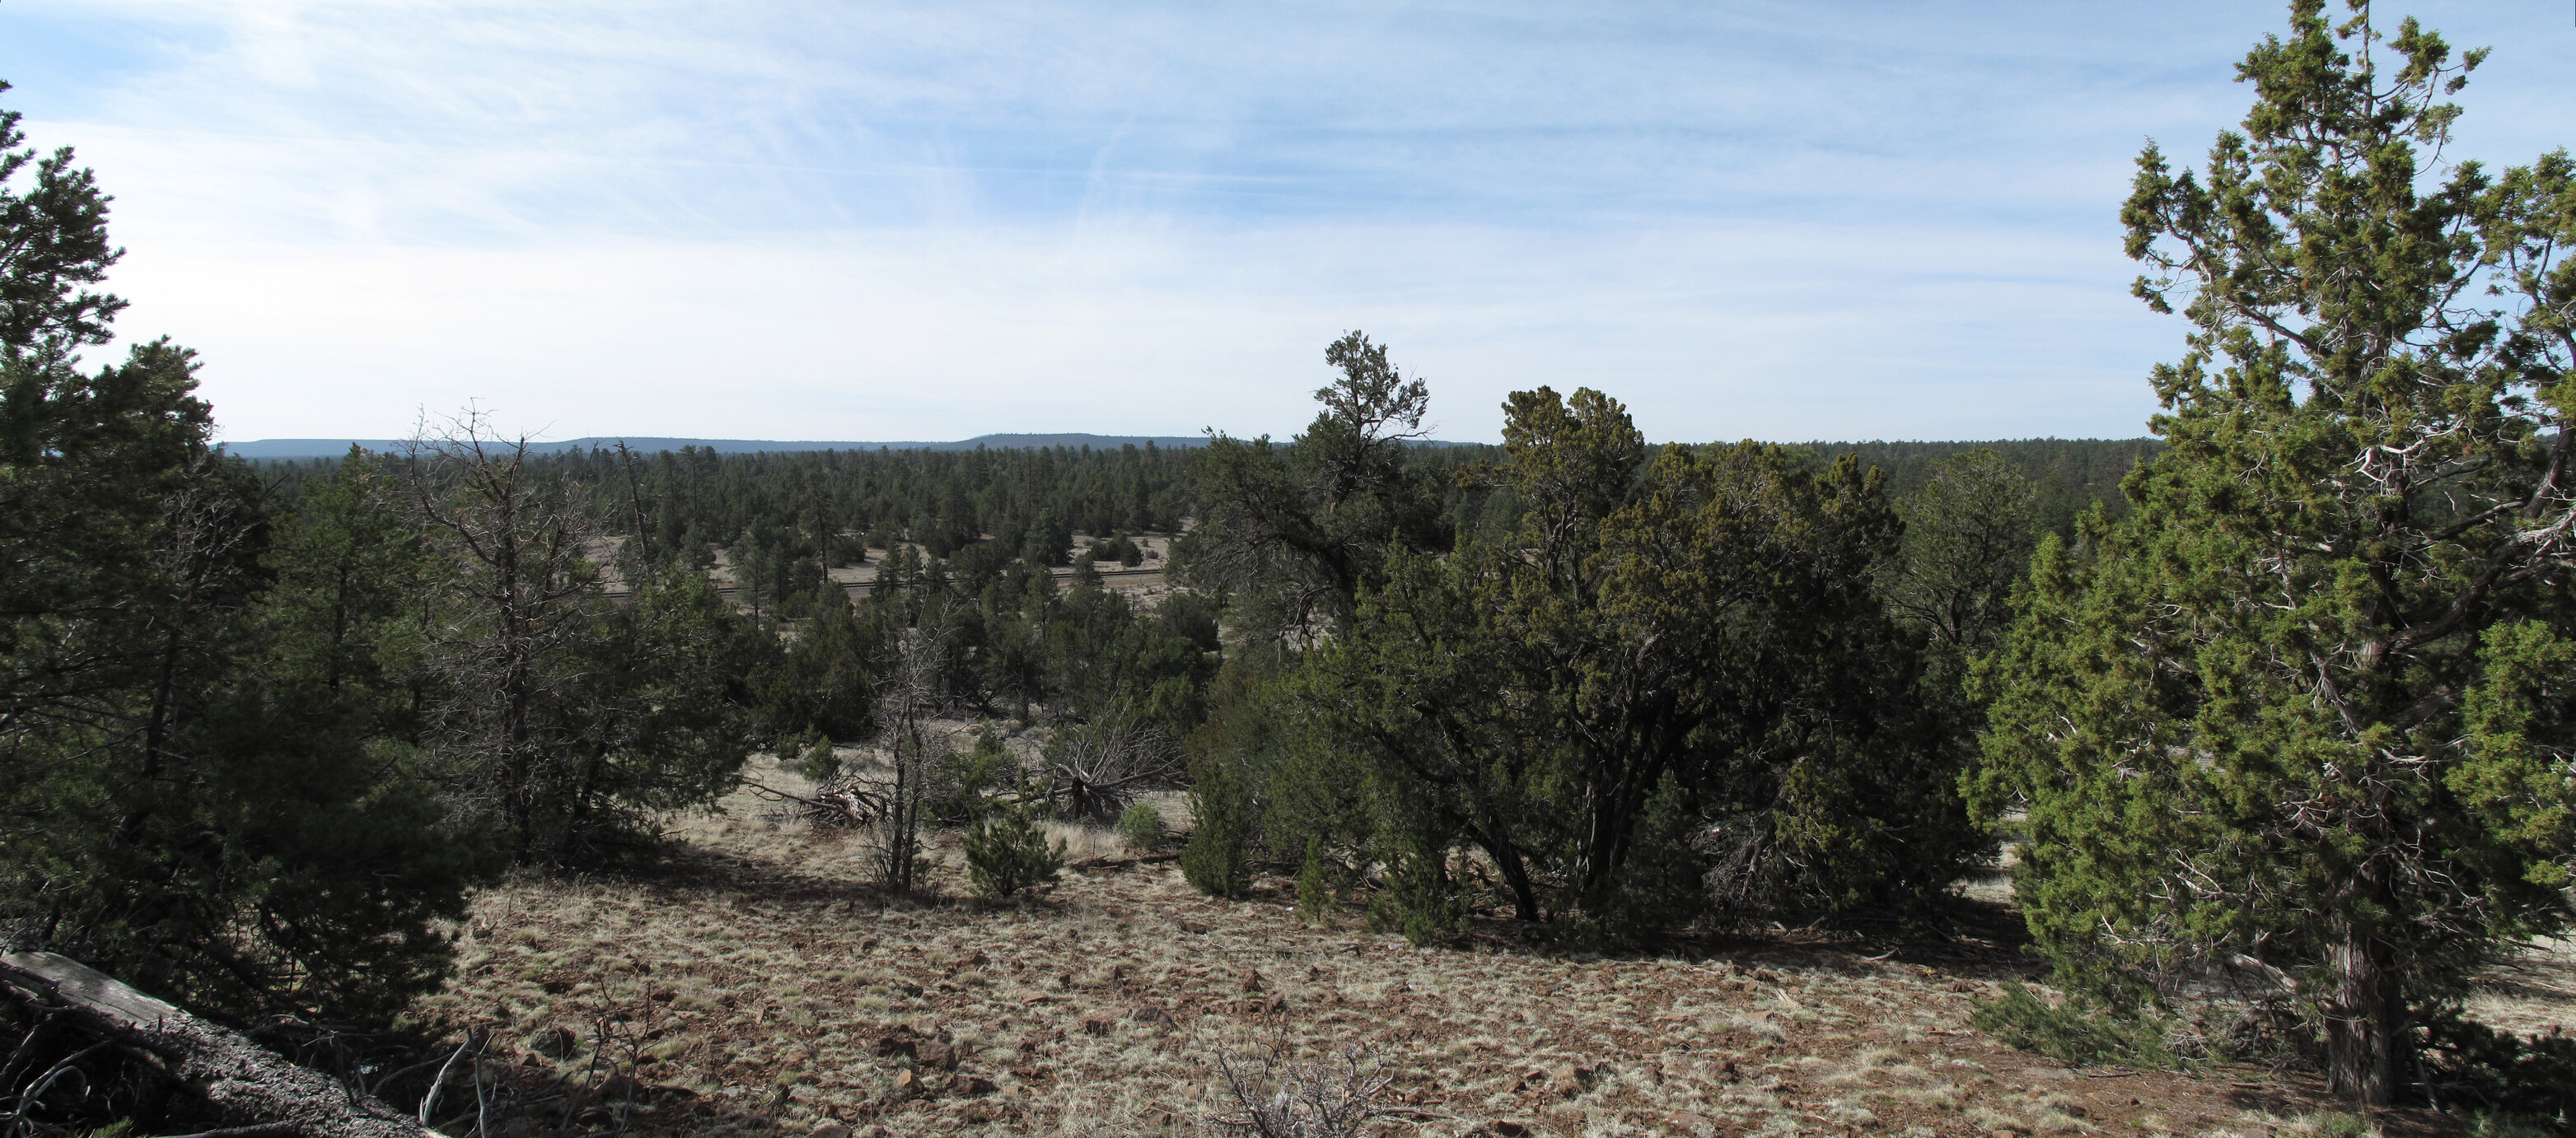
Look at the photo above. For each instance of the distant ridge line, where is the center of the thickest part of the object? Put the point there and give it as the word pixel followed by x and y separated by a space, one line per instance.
pixel 333 448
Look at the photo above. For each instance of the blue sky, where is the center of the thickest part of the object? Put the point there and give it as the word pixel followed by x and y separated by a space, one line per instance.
pixel 933 220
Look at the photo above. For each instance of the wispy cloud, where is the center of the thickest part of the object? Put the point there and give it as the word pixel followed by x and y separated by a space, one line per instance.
pixel 922 220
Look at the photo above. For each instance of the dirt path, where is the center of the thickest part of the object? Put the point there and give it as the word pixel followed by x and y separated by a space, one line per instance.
pixel 757 986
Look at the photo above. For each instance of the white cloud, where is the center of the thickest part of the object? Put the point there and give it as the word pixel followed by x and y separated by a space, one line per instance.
pixel 921 219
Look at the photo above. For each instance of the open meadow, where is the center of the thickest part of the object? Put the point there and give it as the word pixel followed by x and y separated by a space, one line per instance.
pixel 755 983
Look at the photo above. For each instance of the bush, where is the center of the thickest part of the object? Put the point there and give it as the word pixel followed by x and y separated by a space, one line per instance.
pixel 811 755
pixel 1314 890
pixel 1217 861
pixel 1419 899
pixel 1142 826
pixel 1006 852
pixel 960 782
pixel 2077 1033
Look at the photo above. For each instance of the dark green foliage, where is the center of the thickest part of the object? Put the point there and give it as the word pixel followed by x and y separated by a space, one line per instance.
pixel 207 783
pixel 665 730
pixel 1666 882
pixel 2295 715
pixel 1314 889
pixel 1217 860
pixel 570 719
pixel 822 679
pixel 1681 641
pixel 57 246
pixel 962 781
pixel 1420 898
pixel 2065 477
pixel 1142 826
pixel 2075 1032
pixel 1295 534
pixel 811 755
pixel 1007 852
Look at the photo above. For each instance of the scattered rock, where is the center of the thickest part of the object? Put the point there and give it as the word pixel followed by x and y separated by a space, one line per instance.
pixel 939 1052
pixel 829 1130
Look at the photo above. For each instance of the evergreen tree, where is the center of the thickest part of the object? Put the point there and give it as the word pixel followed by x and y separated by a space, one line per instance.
pixel 2300 715
pixel 1659 646
pixel 1300 531
pixel 202 785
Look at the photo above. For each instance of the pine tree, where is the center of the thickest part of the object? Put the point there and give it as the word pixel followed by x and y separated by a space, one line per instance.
pixel 202 790
pixel 2299 715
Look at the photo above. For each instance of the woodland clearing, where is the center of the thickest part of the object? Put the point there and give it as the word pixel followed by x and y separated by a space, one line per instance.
pixel 755 983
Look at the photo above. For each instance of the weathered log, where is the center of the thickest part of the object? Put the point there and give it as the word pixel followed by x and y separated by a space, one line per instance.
pixel 247 1085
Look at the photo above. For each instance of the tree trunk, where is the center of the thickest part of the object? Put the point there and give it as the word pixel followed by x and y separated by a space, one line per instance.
pixel 244 1082
pixel 2366 1022
pixel 1515 875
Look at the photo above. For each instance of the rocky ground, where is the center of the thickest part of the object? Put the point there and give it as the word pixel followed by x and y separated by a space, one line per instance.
pixel 755 984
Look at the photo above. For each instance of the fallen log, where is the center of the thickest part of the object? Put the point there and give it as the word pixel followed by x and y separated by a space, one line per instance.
pixel 248 1086
pixel 846 806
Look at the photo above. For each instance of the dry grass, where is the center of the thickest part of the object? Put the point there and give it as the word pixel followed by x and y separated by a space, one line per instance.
pixel 764 988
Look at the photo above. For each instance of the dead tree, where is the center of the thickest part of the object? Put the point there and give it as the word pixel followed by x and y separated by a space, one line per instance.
pixel 913 753
pixel 245 1086
pixel 515 620
pixel 847 800
pixel 1095 769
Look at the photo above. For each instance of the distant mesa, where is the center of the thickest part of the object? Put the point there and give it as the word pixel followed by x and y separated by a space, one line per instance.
pixel 333 448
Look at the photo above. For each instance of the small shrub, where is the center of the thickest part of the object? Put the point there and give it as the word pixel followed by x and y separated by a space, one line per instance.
pixel 811 755
pixel 1007 852
pixel 1418 900
pixel 960 782
pixel 1314 890
pixel 1273 1095
pixel 2080 1034
pixel 1142 826
pixel 1217 861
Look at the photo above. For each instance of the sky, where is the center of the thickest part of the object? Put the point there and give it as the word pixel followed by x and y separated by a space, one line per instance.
pixel 932 220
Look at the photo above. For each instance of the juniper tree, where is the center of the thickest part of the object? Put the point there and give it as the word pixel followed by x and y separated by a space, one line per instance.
pixel 1298 531
pixel 2300 717
pixel 1661 644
